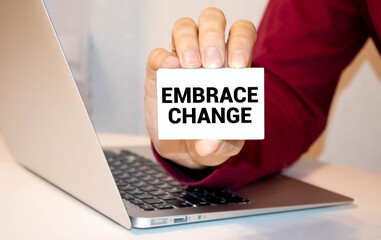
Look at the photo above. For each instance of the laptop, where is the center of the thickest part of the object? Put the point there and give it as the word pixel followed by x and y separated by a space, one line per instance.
pixel 49 132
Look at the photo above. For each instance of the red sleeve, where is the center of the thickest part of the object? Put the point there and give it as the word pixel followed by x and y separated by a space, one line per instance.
pixel 303 46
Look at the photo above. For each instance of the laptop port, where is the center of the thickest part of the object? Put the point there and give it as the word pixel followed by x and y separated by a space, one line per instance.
pixel 180 219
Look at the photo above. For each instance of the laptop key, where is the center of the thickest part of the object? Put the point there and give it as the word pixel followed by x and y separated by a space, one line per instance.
pixel 123 167
pixel 164 186
pixel 174 183
pixel 144 196
pixel 116 172
pixel 230 197
pixel 156 182
pixel 147 178
pixel 136 164
pixel 162 206
pixel 179 204
pixel 148 188
pixel 137 202
pixel 144 168
pixel 131 180
pixel 120 182
pixel 152 201
pixel 192 200
pixel 168 197
pixel 124 175
pixel 158 192
pixel 174 190
pixel 151 172
pixel 160 175
pixel 139 174
pixel 203 203
pixel 146 207
pixel 131 170
pixel 127 196
pixel 140 185
pixel 215 200
pixel 127 187
pixel 134 191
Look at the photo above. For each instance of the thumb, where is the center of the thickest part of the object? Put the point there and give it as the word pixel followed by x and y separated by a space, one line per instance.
pixel 212 152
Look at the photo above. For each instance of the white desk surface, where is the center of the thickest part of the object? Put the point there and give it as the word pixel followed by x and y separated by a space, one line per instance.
pixel 31 208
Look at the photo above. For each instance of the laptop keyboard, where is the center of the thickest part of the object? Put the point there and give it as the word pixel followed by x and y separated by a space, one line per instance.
pixel 144 184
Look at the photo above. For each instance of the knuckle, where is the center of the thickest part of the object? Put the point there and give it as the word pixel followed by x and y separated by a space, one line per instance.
pixel 238 145
pixel 228 149
pixel 231 148
pixel 240 41
pixel 186 41
pixel 234 151
pixel 185 38
pixel 212 30
pixel 154 53
pixel 155 57
pixel 188 37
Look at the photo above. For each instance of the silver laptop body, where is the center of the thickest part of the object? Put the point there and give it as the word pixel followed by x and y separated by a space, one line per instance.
pixel 47 129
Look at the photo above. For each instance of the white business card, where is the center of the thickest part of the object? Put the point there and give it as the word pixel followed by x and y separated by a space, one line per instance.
pixel 203 103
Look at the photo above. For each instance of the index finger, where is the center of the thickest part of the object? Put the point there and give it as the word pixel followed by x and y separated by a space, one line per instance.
pixel 158 58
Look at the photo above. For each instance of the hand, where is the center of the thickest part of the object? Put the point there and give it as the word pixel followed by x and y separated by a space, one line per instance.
pixel 201 45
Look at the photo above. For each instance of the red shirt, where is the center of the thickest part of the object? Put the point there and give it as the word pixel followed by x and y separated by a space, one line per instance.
pixel 304 46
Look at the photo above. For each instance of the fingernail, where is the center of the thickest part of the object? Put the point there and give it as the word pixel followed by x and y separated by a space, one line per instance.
pixel 190 58
pixel 238 60
pixel 213 58
pixel 170 59
pixel 207 146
